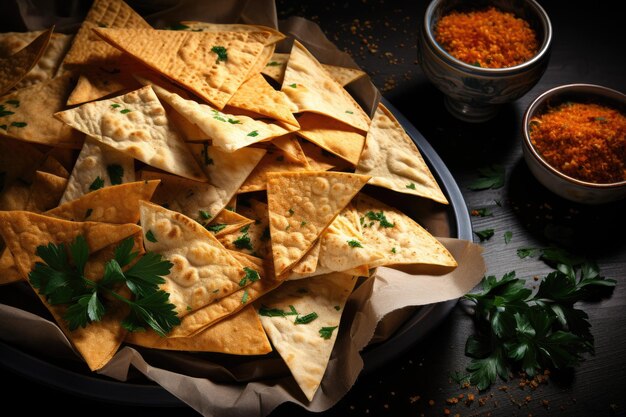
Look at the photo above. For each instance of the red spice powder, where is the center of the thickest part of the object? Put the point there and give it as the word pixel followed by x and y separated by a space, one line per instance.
pixel 585 141
pixel 487 38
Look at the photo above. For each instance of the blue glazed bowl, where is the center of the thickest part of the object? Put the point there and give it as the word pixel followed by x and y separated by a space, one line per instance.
pixel 473 93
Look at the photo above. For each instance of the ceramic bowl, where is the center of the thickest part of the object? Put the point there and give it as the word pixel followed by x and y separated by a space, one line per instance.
pixel 559 183
pixel 472 93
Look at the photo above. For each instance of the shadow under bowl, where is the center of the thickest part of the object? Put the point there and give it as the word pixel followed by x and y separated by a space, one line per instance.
pixel 472 93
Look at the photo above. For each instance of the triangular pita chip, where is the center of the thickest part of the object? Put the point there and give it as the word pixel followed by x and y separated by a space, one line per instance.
pixel 49 62
pixel 45 192
pixel 201 319
pixel 275 160
pixel 135 124
pixel 238 334
pixel 401 238
pixel 291 146
pixel 344 75
pixel 253 238
pixel 211 64
pixel 393 160
pixel 227 131
pixel 336 137
pixel 227 222
pixel 275 68
pixel 257 96
pixel 312 89
pixel 203 272
pixel 28 114
pixel 308 263
pixel 15 67
pixel 87 47
pixel 320 159
pixel 301 206
pixel 97 166
pixel 25 231
pixel 97 83
pixel 306 347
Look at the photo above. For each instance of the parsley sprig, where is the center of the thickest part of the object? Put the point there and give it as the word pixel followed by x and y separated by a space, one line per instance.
pixel 519 330
pixel 61 279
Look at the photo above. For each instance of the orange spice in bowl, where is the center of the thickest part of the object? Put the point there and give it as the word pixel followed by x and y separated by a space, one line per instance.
pixel 488 38
pixel 585 141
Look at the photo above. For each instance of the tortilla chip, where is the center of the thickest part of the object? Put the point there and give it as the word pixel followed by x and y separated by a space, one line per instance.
pixel 25 231
pixel 320 159
pixel 393 160
pixel 227 131
pixel 227 222
pixel 49 62
pixel 257 96
pixel 201 319
pixel 31 111
pixel 336 137
pixel 136 125
pixel 405 242
pixel 290 145
pixel 306 347
pixel 275 68
pixel 203 269
pixel 97 83
pixel 13 168
pixel 308 264
pixel 15 196
pixel 87 47
pixel 97 166
pixel 191 59
pixel 238 334
pixel 115 204
pixel 14 68
pixel 52 166
pixel 203 201
pixel 275 160
pixel 312 89
pixel 252 239
pixel 344 75
pixel 301 206
pixel 45 192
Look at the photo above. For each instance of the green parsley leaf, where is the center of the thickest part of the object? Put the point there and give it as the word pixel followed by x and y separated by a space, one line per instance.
pixel 251 276
pixel 380 217
pixel 253 134
pixel 221 52
pixel 116 173
pixel 354 243
pixel 150 236
pixel 216 227
pixel 233 121
pixel 508 235
pixel 327 332
pixel 485 234
pixel 411 186
pixel 245 296
pixel 14 103
pixel 124 111
pixel 276 312
pixel 115 105
pixel 178 26
pixel 4 112
pixel 294 85
pixel 243 241
pixel 96 184
pixel 337 308
pixel 204 214
pixel 273 64
pixel 393 250
pixel 491 176
pixel 349 112
pixel 19 124
pixel 306 319
pixel 155 310
pixel 527 252
pixel 145 276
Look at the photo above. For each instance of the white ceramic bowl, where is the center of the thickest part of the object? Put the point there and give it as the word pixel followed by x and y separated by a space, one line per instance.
pixel 559 183
pixel 474 94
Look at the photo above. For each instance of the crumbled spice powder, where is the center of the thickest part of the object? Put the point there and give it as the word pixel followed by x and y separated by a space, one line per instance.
pixel 585 141
pixel 488 38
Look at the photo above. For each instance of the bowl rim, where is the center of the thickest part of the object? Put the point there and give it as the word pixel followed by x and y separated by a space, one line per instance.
pixel 543 51
pixel 596 90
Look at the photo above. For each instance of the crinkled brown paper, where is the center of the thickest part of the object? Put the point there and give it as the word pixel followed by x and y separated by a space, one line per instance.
pixel 255 386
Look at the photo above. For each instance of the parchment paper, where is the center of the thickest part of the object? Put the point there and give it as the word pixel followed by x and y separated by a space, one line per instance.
pixel 211 384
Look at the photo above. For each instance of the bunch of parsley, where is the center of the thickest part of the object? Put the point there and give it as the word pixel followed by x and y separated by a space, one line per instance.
pixel 61 279
pixel 519 330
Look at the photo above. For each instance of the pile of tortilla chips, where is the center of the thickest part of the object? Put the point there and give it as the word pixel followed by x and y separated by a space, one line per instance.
pixel 243 167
